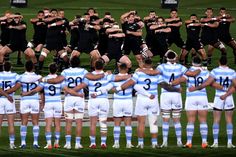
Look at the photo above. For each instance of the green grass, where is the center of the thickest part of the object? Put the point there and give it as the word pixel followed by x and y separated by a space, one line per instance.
pixel 117 7
pixel 172 150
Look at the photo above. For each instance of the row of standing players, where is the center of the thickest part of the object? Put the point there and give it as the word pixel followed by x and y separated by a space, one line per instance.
pixel 145 81
pixel 102 37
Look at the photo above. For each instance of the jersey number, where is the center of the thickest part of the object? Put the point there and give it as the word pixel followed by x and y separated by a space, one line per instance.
pixel 224 82
pixel 98 85
pixel 52 90
pixel 73 81
pixel 198 81
pixel 6 85
pixel 148 83
pixel 172 77
pixel 30 86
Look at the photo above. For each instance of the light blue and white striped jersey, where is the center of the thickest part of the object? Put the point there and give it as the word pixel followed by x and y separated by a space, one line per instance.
pixel 197 81
pixel 29 81
pixel 223 76
pixel 8 80
pixel 52 92
pixel 123 94
pixel 171 72
pixel 148 82
pixel 73 77
pixel 95 85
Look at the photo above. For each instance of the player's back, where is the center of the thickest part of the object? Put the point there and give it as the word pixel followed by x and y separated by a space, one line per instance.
pixel 29 81
pixel 223 76
pixel 196 81
pixel 171 72
pixel 8 80
pixel 73 77
pixel 52 92
pixel 123 94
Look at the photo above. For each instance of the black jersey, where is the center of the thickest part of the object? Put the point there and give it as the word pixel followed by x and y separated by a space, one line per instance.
pixel 16 35
pixel 175 31
pixel 193 32
pixel 53 32
pixel 209 31
pixel 134 27
pixel 224 26
pixel 5 32
pixel 40 31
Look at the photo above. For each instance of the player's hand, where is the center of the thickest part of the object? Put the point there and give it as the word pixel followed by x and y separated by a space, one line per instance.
pixel 192 88
pixel 93 95
pixel 128 32
pixel 10 99
pixel 10 27
pixel 223 97
pixel 152 96
pixel 24 94
pixel 80 95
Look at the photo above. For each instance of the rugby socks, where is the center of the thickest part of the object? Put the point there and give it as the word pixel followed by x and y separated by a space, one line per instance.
pixel 77 140
pixel 57 137
pixel 204 132
pixel 103 140
pixel 154 141
pixel 68 139
pixel 92 140
pixel 215 132
pixel 230 132
pixel 36 134
pixel 23 132
pixel 116 132
pixel 165 131
pixel 128 133
pixel 37 54
pixel 48 136
pixel 178 131
pixel 12 139
pixel 204 62
pixel 140 141
pixel 190 131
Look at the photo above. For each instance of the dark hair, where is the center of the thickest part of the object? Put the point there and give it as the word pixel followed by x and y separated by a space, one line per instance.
pixel 17 13
pixel 29 66
pixel 107 13
pixel 123 66
pixel 60 9
pixel 46 8
pixel 91 9
pixel 193 15
pixel 53 10
pixel 53 68
pixel 86 13
pixel 40 11
pixel 7 66
pixel 148 61
pixel 222 8
pixel 173 9
pixel 171 55
pixel 223 60
pixel 152 11
pixel 160 17
pixel 209 9
pixel 75 62
pixel 197 60
pixel 99 64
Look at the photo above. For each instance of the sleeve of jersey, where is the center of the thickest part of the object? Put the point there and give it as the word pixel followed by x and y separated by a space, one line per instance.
pixel 184 69
pixel 135 77
pixel 160 68
pixel 111 78
pixel 160 79
pixel 63 73
pixel 212 74
pixel 41 84
pixel 18 77
pixel 86 81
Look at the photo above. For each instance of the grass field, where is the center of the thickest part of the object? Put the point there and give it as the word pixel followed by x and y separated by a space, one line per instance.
pixel 117 7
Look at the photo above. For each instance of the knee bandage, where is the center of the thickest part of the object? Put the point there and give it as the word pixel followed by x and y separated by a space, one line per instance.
pixel 152 119
pixel 44 54
pixel 103 124
pixel 176 114
pixel 78 115
pixel 221 46
pixel 30 45
pixel 63 55
pixel 69 116
pixel 166 114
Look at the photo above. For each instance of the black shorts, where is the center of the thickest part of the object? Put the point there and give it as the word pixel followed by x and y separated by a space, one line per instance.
pixel 195 44
pixel 37 41
pixel 54 45
pixel 133 45
pixel 209 40
pixel 21 46
pixel 159 49
pixel 86 49
pixel 177 40
pixel 226 38
pixel 114 52
pixel 102 48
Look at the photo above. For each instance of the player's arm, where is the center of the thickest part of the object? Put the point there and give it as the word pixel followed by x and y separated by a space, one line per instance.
pixel 166 30
pixel 208 82
pixel 73 92
pixel 34 20
pixel 125 85
pixel 178 81
pixel 213 25
pixel 56 80
pixel 20 27
pixel 13 89
pixel 192 73
pixel 217 86
pixel 121 77
pixel 3 93
pixel 149 71
pixel 169 87
pixel 117 35
pixel 137 33
pixel 32 92
pixel 94 77
pixel 111 30
pixel 80 86
pixel 125 15
pixel 228 93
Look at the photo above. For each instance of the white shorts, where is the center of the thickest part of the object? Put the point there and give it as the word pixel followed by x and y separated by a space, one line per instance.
pixel 146 106
pixel 98 107
pixel 196 103
pixel 226 104
pixel 6 107
pixel 74 103
pixel 122 107
pixel 53 110
pixel 171 101
pixel 29 106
